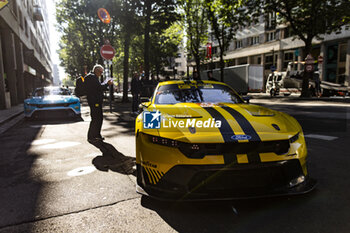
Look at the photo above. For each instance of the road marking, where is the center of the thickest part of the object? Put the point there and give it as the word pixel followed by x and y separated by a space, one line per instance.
pixel 59 145
pixel 81 171
pixel 42 141
pixel 323 137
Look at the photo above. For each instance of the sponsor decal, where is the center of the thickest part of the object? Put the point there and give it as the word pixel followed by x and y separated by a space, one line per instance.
pixel 155 120
pixel 148 164
pixel 151 120
pixel 192 130
pixel 241 137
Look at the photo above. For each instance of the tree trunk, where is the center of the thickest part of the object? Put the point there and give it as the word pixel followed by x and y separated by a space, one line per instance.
pixel 305 86
pixel 198 63
pixel 148 5
pixel 126 68
pixel 222 66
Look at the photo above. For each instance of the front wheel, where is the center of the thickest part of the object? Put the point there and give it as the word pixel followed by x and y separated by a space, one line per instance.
pixel 273 92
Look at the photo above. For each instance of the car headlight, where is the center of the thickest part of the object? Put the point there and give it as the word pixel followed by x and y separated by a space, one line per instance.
pixel 163 141
pixel 294 138
pixel 75 102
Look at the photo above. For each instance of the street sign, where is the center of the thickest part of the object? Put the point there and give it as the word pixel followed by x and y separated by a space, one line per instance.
pixel 107 52
pixel 320 59
pixel 104 15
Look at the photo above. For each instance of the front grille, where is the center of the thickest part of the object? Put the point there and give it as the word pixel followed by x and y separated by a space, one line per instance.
pixel 52 105
pixel 202 149
pixel 60 113
pixel 237 180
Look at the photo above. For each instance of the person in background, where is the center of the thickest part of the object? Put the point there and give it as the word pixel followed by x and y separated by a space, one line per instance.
pixel 95 100
pixel 135 91
pixel 210 76
pixel 317 85
pixel 195 76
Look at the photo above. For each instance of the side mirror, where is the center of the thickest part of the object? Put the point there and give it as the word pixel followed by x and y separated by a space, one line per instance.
pixel 144 99
pixel 246 99
pixel 144 105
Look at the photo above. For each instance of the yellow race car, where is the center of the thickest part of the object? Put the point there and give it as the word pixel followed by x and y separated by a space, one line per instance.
pixel 200 140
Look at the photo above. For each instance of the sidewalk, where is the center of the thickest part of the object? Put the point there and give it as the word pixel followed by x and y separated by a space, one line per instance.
pixel 296 98
pixel 10 117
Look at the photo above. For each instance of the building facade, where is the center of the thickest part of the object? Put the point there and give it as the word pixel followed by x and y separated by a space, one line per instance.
pixel 25 59
pixel 273 46
pixel 56 75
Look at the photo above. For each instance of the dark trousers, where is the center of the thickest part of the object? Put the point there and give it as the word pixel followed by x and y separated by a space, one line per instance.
pixel 135 102
pixel 96 121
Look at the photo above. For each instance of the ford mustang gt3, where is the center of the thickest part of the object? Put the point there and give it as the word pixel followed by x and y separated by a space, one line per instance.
pixel 52 102
pixel 201 140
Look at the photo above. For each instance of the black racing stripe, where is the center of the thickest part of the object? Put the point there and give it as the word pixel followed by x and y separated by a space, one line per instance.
pixel 225 129
pixel 253 157
pixel 230 158
pixel 226 132
pixel 244 123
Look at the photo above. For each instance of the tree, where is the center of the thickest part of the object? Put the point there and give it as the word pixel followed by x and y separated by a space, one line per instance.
pixel 83 34
pixel 158 16
pixel 165 45
pixel 226 17
pixel 129 24
pixel 196 27
pixel 310 19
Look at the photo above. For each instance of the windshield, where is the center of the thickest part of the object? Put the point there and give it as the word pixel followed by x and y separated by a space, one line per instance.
pixel 51 91
pixel 196 93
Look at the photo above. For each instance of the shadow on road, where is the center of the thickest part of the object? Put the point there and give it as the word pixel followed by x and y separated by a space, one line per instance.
pixel 19 187
pixel 255 215
pixel 112 159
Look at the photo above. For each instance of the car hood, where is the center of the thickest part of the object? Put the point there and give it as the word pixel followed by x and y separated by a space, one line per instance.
pixel 239 122
pixel 52 99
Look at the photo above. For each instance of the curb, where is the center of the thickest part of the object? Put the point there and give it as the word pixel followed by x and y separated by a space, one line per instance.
pixel 11 121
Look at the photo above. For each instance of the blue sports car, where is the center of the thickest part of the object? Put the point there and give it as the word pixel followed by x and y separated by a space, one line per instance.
pixel 52 102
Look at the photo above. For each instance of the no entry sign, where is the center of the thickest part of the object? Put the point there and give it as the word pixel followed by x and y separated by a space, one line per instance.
pixel 107 52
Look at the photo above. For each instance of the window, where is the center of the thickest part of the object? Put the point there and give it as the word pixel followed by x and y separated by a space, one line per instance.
pixel 271 21
pixel 239 44
pixel 214 93
pixel 270 36
pixel 288 57
pixel 342 52
pixel 178 64
pixel 254 40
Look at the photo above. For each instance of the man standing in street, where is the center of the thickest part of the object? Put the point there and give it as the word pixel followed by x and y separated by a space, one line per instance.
pixel 94 91
pixel 135 91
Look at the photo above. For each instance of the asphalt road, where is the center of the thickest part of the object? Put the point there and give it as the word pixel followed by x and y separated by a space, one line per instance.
pixel 52 180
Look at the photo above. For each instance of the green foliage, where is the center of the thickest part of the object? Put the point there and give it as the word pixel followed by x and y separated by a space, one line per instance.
pixel 83 34
pixel 226 17
pixel 196 27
